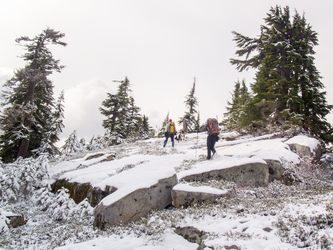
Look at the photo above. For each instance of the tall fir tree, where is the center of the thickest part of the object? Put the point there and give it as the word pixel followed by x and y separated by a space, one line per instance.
pixel 164 124
pixel 27 98
pixel 146 129
pixel 123 120
pixel 189 120
pixel 236 109
pixel 51 136
pixel 287 81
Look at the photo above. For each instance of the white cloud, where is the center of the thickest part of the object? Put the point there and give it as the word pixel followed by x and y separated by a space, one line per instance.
pixel 82 104
pixel 5 74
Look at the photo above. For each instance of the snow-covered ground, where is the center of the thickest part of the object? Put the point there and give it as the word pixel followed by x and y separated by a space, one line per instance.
pixel 273 217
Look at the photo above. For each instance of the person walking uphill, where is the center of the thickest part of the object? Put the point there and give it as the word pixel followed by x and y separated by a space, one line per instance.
pixel 170 131
pixel 212 127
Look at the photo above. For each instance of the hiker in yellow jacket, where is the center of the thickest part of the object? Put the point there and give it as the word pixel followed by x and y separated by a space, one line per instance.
pixel 170 131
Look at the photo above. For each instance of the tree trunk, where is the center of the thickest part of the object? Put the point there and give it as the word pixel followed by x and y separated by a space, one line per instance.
pixel 23 149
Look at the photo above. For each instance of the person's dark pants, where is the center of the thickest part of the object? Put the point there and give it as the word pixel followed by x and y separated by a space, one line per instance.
pixel 211 139
pixel 172 136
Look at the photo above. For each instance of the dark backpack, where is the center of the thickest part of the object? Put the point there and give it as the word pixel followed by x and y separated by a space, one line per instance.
pixel 213 126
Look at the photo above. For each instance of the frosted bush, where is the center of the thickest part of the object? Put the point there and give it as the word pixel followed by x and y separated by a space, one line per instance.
pixel 3 223
pixel 21 178
pixel 61 207
pixel 82 210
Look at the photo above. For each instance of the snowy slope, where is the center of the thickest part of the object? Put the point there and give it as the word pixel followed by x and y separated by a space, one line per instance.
pixel 144 169
pixel 274 217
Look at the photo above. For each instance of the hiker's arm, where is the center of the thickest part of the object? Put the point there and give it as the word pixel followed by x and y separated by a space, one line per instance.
pixel 204 129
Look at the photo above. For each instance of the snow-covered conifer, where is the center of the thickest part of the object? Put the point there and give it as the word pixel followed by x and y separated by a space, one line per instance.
pixel 96 143
pixel 123 120
pixel 287 83
pixel 164 123
pixel 73 145
pixel 189 120
pixel 27 98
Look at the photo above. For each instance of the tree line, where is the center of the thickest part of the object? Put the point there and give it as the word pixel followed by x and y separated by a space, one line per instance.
pixel 287 91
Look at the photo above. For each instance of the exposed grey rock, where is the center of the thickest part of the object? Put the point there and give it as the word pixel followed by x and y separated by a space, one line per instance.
pixel 276 170
pixel 94 156
pixel 191 234
pixel 248 174
pixel 17 220
pixel 303 149
pixel 136 204
pixel 183 195
pixel 104 157
pixel 79 191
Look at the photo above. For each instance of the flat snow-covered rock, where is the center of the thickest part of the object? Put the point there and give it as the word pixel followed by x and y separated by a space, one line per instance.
pixel 242 171
pixel 184 195
pixel 142 182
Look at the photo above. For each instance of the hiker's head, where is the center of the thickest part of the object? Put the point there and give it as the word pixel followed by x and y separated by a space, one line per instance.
pixel 170 120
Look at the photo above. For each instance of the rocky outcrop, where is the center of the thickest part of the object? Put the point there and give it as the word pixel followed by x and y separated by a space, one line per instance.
pixel 108 157
pixel 184 195
pixel 134 205
pixel 248 174
pixel 305 146
pixel 79 191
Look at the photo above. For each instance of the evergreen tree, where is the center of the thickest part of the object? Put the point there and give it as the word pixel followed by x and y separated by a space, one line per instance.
pixel 189 119
pixel 236 109
pixel 197 123
pixel 73 145
pixel 146 130
pixel 134 120
pixel 287 81
pixel 27 98
pixel 123 120
pixel 97 142
pixel 164 124
pixel 55 128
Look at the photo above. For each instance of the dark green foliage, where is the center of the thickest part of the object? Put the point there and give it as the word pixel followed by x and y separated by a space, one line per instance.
pixel 164 124
pixel 28 116
pixel 287 85
pixel 237 113
pixel 189 119
pixel 123 120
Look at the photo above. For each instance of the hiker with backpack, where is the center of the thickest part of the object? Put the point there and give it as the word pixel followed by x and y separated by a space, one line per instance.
pixel 212 127
pixel 170 131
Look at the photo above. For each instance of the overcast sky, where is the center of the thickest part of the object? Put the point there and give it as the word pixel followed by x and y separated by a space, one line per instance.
pixel 159 45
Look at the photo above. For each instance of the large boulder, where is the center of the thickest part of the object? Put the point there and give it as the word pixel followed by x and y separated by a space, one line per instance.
pixel 185 195
pixel 133 206
pixel 305 146
pixel 125 189
pixel 243 172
